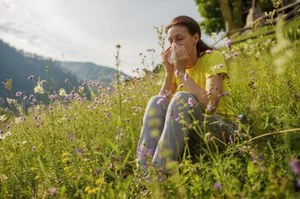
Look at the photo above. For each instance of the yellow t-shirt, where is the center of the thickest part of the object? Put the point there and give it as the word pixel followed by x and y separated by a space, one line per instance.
pixel 208 65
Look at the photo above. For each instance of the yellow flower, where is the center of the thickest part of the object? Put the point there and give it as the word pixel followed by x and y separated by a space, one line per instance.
pixel 64 155
pixel 100 181
pixel 86 189
pixel 93 191
pixel 66 160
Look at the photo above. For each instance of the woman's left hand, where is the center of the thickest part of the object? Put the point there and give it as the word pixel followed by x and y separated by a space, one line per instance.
pixel 181 58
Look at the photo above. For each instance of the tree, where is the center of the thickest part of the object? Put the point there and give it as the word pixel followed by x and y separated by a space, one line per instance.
pixel 221 15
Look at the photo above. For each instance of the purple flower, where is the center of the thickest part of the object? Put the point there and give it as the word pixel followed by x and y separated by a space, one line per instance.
pixel 208 51
pixel 30 77
pixel 217 186
pixel 18 94
pixel 160 100
pixel 295 166
pixel 228 43
pixel 177 119
pixel 190 101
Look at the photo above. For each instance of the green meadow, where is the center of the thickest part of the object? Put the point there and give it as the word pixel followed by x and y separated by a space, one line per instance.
pixel 75 147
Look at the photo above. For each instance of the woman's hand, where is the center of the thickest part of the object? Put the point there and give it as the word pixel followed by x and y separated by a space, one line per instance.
pixel 181 58
pixel 169 67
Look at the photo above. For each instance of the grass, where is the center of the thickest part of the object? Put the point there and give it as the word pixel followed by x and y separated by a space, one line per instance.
pixel 76 148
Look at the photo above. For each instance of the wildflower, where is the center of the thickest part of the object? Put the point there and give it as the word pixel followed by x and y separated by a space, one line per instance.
pixel 210 108
pixel 160 100
pixel 100 181
pixel 190 101
pixel 11 101
pixel 30 77
pixel 217 186
pixel 19 120
pixel 208 51
pixel 3 118
pixel 62 92
pixel 228 42
pixel 295 166
pixel 213 36
pixel 53 191
pixel 18 94
pixel 39 88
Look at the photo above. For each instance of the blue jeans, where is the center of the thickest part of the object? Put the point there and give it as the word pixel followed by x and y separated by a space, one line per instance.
pixel 167 124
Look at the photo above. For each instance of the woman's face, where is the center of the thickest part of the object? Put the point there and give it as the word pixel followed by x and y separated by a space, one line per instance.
pixel 180 35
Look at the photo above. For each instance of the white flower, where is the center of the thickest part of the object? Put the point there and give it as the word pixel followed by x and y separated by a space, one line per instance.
pixel 39 88
pixel 62 92
pixel 11 101
pixel 3 118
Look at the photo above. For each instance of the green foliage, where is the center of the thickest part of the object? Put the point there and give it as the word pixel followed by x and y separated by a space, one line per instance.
pixel 80 148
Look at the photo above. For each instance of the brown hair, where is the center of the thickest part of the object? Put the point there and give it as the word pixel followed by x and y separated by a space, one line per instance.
pixel 193 28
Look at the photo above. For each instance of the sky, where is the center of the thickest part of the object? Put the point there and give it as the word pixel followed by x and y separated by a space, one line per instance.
pixel 88 31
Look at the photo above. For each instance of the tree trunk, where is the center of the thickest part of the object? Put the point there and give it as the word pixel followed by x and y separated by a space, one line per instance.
pixel 237 13
pixel 227 15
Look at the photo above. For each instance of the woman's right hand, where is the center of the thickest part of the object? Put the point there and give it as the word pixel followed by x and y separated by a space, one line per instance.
pixel 168 66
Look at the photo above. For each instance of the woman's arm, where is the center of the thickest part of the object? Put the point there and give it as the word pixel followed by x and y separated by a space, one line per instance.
pixel 168 88
pixel 209 95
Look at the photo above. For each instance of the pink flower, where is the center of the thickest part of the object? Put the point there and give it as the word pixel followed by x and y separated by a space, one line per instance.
pixel 18 94
pixel 190 101
pixel 53 191
pixel 295 166
pixel 217 186
pixel 208 51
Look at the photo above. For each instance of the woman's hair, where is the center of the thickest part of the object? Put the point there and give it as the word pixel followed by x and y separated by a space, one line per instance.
pixel 193 28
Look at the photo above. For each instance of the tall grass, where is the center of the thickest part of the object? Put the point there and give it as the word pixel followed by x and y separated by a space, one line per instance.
pixel 76 148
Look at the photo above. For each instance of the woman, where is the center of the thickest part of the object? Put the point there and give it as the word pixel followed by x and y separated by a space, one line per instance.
pixel 195 92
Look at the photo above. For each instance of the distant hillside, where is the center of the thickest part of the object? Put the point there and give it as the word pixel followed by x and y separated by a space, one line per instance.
pixel 19 65
pixel 92 71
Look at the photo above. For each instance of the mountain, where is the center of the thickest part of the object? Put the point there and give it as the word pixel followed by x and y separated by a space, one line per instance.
pixel 91 71
pixel 18 65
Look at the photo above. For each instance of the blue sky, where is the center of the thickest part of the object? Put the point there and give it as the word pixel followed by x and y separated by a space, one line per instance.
pixel 88 30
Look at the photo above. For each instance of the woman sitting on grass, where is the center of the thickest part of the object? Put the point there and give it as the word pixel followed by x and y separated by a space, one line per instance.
pixel 194 98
